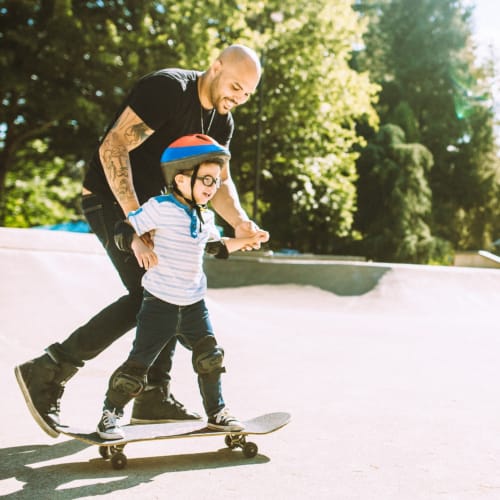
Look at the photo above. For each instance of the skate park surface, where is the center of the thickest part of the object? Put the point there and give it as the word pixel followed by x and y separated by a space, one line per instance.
pixel 391 374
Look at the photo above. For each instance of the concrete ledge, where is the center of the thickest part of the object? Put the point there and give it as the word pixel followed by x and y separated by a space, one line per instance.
pixel 341 278
pixel 482 258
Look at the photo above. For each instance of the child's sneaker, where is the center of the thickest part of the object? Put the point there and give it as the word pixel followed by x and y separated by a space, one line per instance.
pixel 108 427
pixel 224 421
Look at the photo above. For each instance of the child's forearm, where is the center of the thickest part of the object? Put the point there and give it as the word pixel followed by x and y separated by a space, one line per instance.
pixel 221 249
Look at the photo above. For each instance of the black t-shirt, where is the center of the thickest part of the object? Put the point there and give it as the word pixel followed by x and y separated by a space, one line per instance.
pixel 168 102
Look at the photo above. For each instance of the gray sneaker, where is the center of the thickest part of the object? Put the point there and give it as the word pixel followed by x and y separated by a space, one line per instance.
pixel 109 426
pixel 224 421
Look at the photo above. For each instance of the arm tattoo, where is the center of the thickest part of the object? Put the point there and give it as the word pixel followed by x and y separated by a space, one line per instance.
pixel 127 133
pixel 136 134
pixel 116 164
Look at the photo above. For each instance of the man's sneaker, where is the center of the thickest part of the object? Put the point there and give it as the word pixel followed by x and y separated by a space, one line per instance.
pixel 154 405
pixel 42 384
pixel 109 427
pixel 224 421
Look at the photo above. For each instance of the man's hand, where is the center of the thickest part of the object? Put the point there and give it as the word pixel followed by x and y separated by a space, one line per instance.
pixel 248 229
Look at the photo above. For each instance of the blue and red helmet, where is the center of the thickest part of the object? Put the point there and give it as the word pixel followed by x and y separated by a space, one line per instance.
pixel 188 152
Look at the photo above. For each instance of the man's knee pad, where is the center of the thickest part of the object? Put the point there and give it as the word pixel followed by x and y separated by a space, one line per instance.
pixel 208 357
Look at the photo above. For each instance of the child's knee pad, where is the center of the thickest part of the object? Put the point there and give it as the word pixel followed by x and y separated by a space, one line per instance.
pixel 208 357
pixel 126 383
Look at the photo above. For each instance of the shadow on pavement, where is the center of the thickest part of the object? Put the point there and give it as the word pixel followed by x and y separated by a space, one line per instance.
pixel 50 481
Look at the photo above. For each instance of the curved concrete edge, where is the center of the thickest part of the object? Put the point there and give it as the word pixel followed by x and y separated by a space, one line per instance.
pixel 341 278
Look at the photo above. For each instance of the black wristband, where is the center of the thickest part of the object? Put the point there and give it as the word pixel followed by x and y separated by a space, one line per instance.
pixel 217 248
pixel 124 234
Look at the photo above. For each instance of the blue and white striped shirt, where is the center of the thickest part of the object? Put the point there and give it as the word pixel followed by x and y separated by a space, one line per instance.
pixel 178 278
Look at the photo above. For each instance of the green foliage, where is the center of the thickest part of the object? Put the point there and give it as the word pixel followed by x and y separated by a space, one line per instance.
pixel 42 193
pixel 317 206
pixel 421 54
pixel 308 104
pixel 395 200
pixel 63 91
pixel 66 65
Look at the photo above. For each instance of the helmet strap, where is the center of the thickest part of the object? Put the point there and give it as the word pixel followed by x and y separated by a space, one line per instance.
pixel 192 202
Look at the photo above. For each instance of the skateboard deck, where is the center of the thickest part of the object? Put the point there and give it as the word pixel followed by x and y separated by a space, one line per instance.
pixel 113 449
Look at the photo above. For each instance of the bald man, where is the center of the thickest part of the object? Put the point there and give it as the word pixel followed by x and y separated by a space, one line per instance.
pixel 124 173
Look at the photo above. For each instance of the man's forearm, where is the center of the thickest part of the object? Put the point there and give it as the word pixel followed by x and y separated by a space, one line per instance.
pixel 116 163
pixel 227 204
pixel 127 133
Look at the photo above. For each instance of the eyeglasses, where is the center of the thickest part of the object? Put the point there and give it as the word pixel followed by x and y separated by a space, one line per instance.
pixel 207 180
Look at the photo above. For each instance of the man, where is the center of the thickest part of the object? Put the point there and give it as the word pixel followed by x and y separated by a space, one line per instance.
pixel 123 174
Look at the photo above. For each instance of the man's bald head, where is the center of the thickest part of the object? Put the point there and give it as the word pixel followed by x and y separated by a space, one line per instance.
pixel 237 55
pixel 231 79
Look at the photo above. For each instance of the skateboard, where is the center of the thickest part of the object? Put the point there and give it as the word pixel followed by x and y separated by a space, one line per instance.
pixel 113 449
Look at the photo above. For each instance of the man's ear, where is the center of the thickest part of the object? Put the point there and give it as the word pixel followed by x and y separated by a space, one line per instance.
pixel 217 66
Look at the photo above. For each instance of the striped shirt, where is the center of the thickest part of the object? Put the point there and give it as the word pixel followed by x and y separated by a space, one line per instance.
pixel 179 242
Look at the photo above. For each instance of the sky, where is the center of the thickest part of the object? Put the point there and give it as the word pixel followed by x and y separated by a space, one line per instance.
pixel 485 22
pixel 487 36
pixel 487 32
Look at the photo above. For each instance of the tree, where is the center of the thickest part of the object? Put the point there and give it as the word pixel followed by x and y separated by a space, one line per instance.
pixel 60 95
pixel 395 200
pixel 66 65
pixel 422 55
pixel 307 108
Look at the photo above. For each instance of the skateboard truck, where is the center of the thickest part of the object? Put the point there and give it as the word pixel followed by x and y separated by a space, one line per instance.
pixel 115 454
pixel 239 441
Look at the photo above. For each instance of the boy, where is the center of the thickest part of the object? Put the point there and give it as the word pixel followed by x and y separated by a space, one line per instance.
pixel 174 283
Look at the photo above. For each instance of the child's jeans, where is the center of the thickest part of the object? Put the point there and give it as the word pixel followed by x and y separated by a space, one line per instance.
pixel 158 322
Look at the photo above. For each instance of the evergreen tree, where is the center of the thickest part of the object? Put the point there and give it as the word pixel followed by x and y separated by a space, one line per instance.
pixel 422 55
pixel 395 216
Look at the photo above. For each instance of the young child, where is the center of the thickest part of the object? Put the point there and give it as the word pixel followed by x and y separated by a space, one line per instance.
pixel 174 282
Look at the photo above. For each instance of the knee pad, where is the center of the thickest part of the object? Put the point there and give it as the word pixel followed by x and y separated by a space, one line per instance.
pixel 208 357
pixel 128 381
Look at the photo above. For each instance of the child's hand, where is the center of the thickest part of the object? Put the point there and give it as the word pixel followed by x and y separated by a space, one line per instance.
pixel 146 257
pixel 259 237
pixel 248 229
pixel 147 238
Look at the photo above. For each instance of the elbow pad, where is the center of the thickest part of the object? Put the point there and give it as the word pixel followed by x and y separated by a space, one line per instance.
pixel 217 248
pixel 123 235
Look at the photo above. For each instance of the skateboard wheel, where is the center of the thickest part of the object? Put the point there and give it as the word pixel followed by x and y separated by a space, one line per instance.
pixel 250 450
pixel 104 452
pixel 118 461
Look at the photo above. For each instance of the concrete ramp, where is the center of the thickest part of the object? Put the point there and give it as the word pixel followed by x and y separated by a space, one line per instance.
pixel 393 381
